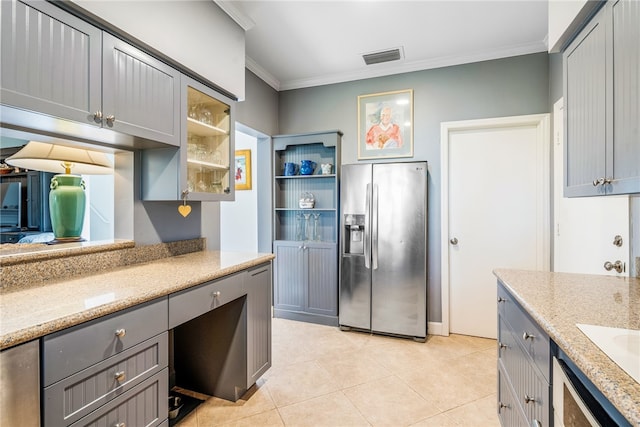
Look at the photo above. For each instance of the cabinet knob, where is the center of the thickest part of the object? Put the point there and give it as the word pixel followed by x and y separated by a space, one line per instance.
pixel 110 119
pixel 454 241
pixel 216 294
pixel 602 181
pixel 502 345
pixel 527 336
pixel 120 425
pixel 120 333
pixel 617 266
pixel 529 399
pixel 536 423
pixel 502 406
pixel 97 116
pixel 500 299
pixel 120 376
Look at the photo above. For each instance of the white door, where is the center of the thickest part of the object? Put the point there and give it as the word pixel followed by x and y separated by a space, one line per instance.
pixel 495 212
pixel 585 228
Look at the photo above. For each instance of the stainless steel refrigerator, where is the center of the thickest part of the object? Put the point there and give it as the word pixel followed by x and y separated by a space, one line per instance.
pixel 383 248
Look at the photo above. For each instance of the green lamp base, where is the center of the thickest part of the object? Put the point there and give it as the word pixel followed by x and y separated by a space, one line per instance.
pixel 66 207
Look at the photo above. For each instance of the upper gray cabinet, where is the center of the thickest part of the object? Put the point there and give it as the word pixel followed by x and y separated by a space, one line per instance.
pixel 56 64
pixel 140 95
pixel 602 104
pixel 51 61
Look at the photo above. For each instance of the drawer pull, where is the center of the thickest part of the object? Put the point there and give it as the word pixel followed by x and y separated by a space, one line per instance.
pixel 527 336
pixel 216 294
pixel 500 299
pixel 502 345
pixel 120 376
pixel 120 425
pixel 120 333
pixel 502 406
pixel 529 399
pixel 536 423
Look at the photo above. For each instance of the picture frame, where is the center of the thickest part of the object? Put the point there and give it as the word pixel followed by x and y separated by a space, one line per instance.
pixel 385 125
pixel 242 169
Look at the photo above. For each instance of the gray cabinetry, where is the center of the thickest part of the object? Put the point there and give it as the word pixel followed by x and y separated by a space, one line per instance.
pixel 51 61
pixel 57 64
pixel 258 286
pixel 524 369
pixel 141 95
pixel 200 169
pixel 90 370
pixel 304 281
pixel 306 236
pixel 602 92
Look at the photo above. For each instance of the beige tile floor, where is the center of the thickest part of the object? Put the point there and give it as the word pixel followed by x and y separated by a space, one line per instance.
pixel 322 376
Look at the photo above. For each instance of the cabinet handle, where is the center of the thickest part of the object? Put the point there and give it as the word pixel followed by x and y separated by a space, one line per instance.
pixel 536 423
pixel 120 376
pixel 500 299
pixel 502 345
pixel 529 399
pixel 617 266
pixel 526 336
pixel 97 116
pixel 502 406
pixel 120 333
pixel 602 181
pixel 110 119
pixel 216 294
pixel 120 425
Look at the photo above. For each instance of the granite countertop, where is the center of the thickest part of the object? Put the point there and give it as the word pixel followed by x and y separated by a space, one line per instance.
pixel 557 301
pixel 32 312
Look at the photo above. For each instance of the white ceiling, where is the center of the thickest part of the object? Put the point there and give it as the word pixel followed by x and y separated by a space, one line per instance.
pixel 295 44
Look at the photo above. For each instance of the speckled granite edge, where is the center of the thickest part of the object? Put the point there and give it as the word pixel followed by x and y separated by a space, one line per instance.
pixel 85 260
pixel 19 253
pixel 130 285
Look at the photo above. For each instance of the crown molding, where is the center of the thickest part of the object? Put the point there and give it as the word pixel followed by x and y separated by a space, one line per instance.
pixel 236 14
pixel 386 69
pixel 257 69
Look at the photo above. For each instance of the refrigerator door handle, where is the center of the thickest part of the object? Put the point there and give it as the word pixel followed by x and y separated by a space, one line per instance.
pixel 367 229
pixel 374 228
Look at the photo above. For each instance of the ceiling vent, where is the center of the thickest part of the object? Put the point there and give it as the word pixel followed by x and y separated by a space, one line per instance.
pixel 382 56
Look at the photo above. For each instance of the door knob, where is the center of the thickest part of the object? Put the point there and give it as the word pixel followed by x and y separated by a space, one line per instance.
pixel 454 241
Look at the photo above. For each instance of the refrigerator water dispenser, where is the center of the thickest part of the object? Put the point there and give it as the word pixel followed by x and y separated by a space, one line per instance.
pixel 354 233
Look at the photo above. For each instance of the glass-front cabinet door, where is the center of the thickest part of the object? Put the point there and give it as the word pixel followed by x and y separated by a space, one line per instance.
pixel 208 147
pixel 199 170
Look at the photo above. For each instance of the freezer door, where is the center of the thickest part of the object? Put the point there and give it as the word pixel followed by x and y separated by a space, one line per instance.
pixel 355 269
pixel 399 249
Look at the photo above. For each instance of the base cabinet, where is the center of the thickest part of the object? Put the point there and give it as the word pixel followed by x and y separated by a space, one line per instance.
pixel 258 287
pixel 524 366
pixel 305 285
pixel 20 390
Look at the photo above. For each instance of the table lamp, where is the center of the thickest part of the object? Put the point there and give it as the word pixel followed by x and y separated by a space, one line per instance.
pixel 67 197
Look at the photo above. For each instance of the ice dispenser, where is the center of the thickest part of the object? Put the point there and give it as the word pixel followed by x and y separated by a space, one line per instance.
pixel 354 234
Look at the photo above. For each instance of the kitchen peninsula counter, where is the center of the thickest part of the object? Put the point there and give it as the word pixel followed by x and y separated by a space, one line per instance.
pixel 30 312
pixel 557 301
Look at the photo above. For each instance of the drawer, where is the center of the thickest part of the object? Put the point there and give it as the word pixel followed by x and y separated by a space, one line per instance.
pixel 193 302
pixel 74 349
pixel 531 337
pixel 145 405
pixel 78 395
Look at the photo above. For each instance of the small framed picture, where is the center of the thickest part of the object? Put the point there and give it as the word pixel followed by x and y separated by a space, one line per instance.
pixel 243 169
pixel 385 125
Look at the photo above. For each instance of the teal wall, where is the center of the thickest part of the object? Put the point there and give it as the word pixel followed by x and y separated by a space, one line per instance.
pixel 498 88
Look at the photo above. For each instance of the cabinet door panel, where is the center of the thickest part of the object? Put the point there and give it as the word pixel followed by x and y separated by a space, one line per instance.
pixel 322 293
pixel 585 117
pixel 289 281
pixel 141 92
pixel 258 322
pixel 51 61
pixel 625 30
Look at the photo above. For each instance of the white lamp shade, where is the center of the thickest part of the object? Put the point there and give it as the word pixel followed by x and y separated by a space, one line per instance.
pixel 46 157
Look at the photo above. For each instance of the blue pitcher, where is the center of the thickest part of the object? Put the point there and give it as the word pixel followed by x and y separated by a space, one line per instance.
pixel 290 169
pixel 307 167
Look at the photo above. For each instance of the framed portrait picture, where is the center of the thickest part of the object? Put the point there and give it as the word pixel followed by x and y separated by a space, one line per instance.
pixel 385 125
pixel 243 169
